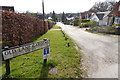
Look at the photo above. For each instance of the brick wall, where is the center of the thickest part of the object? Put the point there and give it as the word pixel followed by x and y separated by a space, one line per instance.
pixel 115 9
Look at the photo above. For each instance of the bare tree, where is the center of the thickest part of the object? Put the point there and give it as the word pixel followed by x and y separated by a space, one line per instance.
pixel 103 6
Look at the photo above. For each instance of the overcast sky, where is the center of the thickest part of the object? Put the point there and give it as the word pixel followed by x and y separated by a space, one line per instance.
pixel 68 6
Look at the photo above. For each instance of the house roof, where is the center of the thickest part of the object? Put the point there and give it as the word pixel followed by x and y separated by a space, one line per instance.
pixel 49 18
pixel 71 18
pixel 102 15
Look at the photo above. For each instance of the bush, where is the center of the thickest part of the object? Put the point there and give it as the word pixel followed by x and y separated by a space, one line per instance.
pixel 88 24
pixel 85 20
pixel 76 22
pixel 114 25
pixel 18 29
pixel 107 30
pixel 92 23
pixel 84 25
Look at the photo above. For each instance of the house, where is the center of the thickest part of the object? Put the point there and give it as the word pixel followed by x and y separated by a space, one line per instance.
pixel 116 13
pixel 70 20
pixel 59 17
pixel 94 17
pixel 40 15
pixel 103 18
pixel 85 15
pixel 9 8
pixel 49 18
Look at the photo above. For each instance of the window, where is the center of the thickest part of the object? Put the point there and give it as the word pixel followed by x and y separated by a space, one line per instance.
pixel 119 8
pixel 117 20
pixel 94 19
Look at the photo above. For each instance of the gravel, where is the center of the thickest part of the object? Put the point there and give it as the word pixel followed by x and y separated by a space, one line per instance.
pixel 100 53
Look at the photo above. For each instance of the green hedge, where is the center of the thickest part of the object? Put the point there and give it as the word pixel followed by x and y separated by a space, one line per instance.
pixel 19 29
pixel 85 20
pixel 76 22
pixel 89 24
pixel 84 23
pixel 114 25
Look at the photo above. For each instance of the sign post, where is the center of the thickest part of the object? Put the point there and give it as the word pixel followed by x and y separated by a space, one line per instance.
pixel 7 64
pixel 13 52
pixel 46 53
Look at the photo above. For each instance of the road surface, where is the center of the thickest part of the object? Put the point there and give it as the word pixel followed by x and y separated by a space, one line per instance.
pixel 100 53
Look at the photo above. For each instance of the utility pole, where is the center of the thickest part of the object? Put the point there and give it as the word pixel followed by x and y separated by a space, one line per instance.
pixel 43 15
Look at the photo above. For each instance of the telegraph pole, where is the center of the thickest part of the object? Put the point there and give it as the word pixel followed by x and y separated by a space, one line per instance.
pixel 43 15
pixel 45 60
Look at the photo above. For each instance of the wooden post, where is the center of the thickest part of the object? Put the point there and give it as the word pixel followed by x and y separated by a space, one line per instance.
pixel 7 66
pixel 43 15
pixel 7 62
pixel 45 61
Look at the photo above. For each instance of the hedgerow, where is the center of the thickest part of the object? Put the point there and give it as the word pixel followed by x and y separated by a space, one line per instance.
pixel 18 29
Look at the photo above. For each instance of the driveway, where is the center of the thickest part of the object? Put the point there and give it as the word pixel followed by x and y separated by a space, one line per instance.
pixel 100 53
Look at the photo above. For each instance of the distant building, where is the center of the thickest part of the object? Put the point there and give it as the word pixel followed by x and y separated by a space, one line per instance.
pixel 85 15
pixel 103 18
pixel 9 8
pixel 70 20
pixel 59 17
pixel 49 18
pixel 39 15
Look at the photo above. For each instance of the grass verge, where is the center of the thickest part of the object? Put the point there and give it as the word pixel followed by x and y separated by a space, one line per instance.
pixel 56 27
pixel 63 56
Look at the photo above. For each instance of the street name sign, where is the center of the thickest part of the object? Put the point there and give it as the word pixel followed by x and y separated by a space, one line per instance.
pixel 12 52
pixel 24 49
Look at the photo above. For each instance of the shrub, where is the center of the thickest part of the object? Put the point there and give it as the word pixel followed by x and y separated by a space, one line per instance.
pixel 85 20
pixel 84 25
pixel 92 23
pixel 114 25
pixel 88 24
pixel 18 29
pixel 76 22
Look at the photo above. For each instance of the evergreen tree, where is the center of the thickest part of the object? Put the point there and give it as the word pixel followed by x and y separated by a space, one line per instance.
pixel 63 18
pixel 54 18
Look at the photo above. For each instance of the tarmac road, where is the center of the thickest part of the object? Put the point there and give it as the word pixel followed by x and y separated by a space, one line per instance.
pixel 100 53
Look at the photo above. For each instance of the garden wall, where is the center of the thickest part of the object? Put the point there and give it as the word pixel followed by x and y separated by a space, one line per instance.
pixel 18 29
